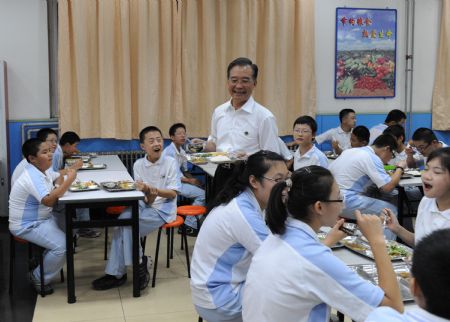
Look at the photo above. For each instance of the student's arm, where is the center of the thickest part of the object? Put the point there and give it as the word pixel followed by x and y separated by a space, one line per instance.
pixel 410 160
pixel 51 199
pixel 210 146
pixel 370 226
pixel 393 225
pixel 395 178
pixel 335 234
pixel 152 192
pixel 336 147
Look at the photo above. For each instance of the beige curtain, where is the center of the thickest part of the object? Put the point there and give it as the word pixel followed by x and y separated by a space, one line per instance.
pixel 127 64
pixel 441 92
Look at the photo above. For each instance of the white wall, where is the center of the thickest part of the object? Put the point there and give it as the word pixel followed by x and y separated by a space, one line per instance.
pixel 426 41
pixel 23 45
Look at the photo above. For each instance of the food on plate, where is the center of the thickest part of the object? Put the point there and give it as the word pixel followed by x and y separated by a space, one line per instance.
pixel 86 185
pixel 125 184
pixel 355 245
pixel 396 250
pixel 220 158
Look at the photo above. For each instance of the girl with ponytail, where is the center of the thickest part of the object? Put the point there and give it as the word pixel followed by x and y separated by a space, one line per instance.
pixel 294 277
pixel 231 234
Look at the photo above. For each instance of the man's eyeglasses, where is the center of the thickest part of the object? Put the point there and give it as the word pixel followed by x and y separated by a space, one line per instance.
pixel 422 148
pixel 276 180
pixel 243 81
pixel 341 199
pixel 302 131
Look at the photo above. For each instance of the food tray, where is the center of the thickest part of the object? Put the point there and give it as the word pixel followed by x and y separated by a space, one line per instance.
pixel 396 250
pixel 73 158
pixel 81 186
pixel 321 235
pixel 93 166
pixel 115 186
pixel 369 273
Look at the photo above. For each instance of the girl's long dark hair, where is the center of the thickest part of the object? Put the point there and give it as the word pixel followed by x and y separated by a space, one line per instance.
pixel 257 165
pixel 308 185
pixel 444 155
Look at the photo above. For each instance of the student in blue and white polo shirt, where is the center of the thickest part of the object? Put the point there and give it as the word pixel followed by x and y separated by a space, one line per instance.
pixel 31 200
pixel 393 117
pixel 230 235
pixel 304 131
pixel 294 277
pixel 157 178
pixel 429 283
pixel 358 168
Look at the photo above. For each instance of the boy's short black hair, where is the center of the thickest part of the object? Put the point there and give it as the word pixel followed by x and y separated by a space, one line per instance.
pixel 430 268
pixel 69 137
pixel 395 116
pixel 424 134
pixel 243 61
pixel 175 127
pixel 362 133
pixel 396 131
pixel 386 140
pixel 43 133
pixel 308 120
pixel 343 113
pixel 31 147
pixel 147 129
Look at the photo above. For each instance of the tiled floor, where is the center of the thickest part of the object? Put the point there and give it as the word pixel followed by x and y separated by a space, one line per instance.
pixel 170 300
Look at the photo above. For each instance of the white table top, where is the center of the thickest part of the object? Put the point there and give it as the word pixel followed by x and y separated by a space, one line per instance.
pixel 411 182
pixel 112 162
pixel 209 168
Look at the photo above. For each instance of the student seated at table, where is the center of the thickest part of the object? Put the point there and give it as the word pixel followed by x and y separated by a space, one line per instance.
pixel 430 283
pixel 294 277
pixel 190 186
pixel 231 234
pixel 67 147
pixel 156 176
pixel 340 136
pixel 424 141
pixel 398 132
pixel 357 169
pixel 31 200
pixel 393 117
pixel 434 208
pixel 360 137
pixel 304 131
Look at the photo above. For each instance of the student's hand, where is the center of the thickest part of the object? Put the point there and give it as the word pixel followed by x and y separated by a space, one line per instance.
pixel 402 163
pixel 409 151
pixel 390 220
pixel 71 175
pixel 77 165
pixel 370 226
pixel 335 145
pixel 194 181
pixel 335 234
pixel 140 185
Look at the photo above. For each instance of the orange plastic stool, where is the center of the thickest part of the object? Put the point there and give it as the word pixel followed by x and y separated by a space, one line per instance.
pixel 191 210
pixel 169 227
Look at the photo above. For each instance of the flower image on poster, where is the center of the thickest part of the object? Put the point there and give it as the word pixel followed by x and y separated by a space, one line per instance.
pixel 365 53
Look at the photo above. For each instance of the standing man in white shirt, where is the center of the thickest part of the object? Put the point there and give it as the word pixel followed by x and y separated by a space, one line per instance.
pixel 340 136
pixel 393 117
pixel 241 124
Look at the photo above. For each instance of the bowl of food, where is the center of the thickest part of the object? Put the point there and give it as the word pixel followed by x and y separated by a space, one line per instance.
pixel 109 184
pixel 195 147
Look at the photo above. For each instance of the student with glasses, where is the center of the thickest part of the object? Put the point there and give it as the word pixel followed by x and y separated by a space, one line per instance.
pixel 230 235
pixel 357 169
pixel 294 277
pixel 424 141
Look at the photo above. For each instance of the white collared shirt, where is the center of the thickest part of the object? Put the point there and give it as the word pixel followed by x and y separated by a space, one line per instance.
pixel 250 128
pixel 336 134
pixel 430 218
pixel 162 175
pixel 25 205
pixel 295 278
pixel 398 157
pixel 376 131
pixel 385 314
pixel 313 157
pixel 58 159
pixel 179 156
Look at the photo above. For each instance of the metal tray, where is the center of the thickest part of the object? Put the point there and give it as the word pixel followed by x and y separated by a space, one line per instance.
pixel 93 166
pixel 116 186
pixel 84 186
pixel 369 273
pixel 359 246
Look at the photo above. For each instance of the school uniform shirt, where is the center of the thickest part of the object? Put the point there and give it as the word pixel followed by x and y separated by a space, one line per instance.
pixel 18 170
pixel 430 218
pixel 294 277
pixel 284 151
pixel 420 159
pixel 313 157
pixel 398 157
pixel 376 131
pixel 250 128
pixel 383 314
pixel 162 175
pixel 336 134
pixel 58 159
pixel 229 237
pixel 179 156
pixel 25 207
pixel 356 169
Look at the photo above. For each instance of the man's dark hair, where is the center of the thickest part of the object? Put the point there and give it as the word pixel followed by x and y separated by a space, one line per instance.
pixel 175 127
pixel 431 261
pixel 395 116
pixel 69 137
pixel 386 140
pixel 308 120
pixel 43 133
pixel 243 61
pixel 396 131
pixel 424 134
pixel 362 133
pixel 31 147
pixel 343 113
pixel 147 129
